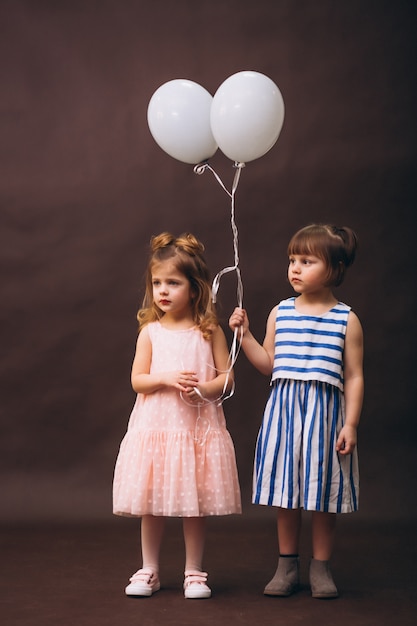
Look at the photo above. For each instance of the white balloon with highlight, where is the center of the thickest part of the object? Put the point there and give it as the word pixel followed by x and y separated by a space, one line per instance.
pixel 247 114
pixel 179 120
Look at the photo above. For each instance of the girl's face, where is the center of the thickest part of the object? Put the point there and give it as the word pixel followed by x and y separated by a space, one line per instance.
pixel 307 273
pixel 171 289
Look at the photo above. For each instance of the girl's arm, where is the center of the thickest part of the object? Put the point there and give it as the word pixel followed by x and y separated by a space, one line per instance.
pixel 145 382
pixel 353 386
pixel 261 356
pixel 212 389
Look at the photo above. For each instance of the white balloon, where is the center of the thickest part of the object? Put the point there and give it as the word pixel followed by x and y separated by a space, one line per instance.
pixel 247 114
pixel 179 120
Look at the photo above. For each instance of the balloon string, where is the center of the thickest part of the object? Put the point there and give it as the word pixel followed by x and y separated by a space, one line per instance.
pixel 200 169
pixel 202 425
pixel 237 335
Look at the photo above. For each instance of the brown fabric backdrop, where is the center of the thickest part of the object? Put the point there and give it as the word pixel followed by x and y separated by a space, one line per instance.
pixel 84 186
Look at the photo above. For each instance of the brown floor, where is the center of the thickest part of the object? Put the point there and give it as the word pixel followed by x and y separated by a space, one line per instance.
pixel 75 575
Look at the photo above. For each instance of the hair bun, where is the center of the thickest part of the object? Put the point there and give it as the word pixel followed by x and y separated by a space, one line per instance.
pixel 162 241
pixel 189 244
pixel 186 242
pixel 350 242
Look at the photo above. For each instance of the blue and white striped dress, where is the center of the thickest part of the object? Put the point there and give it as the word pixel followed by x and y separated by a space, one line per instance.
pixel 296 463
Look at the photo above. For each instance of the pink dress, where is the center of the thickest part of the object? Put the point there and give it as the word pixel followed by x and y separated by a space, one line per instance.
pixel 176 459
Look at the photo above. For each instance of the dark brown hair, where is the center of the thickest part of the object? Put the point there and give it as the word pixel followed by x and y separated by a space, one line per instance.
pixel 335 246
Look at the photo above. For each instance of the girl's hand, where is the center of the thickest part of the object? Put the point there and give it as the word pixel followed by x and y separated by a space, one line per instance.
pixel 183 380
pixel 346 441
pixel 194 395
pixel 239 319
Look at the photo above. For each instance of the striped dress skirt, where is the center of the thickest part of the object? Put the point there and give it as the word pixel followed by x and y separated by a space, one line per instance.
pixel 296 463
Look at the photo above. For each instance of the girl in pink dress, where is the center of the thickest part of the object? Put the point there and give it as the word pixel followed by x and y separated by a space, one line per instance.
pixel 177 458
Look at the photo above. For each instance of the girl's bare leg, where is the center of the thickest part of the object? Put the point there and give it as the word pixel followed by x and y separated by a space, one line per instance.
pixel 194 537
pixel 288 526
pixel 194 529
pixel 323 527
pixel 323 534
pixel 152 530
pixel 286 579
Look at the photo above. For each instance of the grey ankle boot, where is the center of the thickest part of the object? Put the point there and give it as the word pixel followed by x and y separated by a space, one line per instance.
pixel 321 580
pixel 286 579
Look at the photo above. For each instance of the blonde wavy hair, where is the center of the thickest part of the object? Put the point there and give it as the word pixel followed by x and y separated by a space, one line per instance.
pixel 186 252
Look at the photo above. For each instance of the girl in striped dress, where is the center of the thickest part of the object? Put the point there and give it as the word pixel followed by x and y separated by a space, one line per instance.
pixel 306 455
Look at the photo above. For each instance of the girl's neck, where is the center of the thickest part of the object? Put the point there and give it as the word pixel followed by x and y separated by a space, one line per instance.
pixel 315 303
pixel 176 323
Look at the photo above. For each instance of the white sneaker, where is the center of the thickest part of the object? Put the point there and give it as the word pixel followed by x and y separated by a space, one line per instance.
pixel 143 583
pixel 195 584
